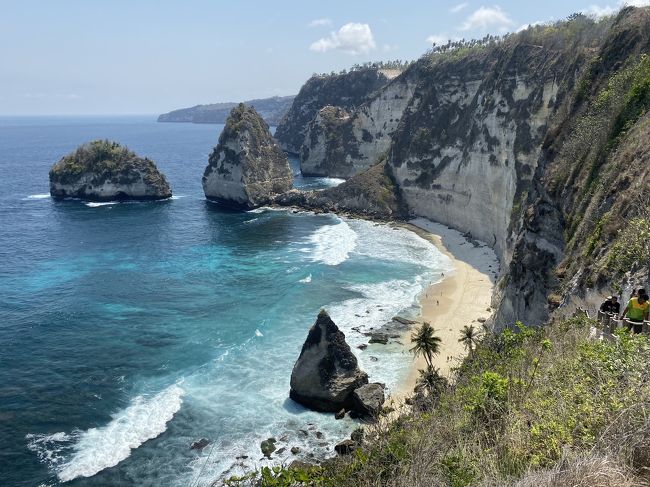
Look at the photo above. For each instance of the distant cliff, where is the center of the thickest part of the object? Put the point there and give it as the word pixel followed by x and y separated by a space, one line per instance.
pixel 345 90
pixel 271 110
pixel 536 143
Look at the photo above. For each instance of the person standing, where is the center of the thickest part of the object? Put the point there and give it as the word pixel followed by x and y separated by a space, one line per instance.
pixel 636 311
pixel 611 305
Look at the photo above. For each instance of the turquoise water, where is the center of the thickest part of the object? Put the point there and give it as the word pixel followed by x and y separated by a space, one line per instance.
pixel 130 330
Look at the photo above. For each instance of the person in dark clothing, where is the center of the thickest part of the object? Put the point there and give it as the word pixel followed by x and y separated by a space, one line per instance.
pixel 611 305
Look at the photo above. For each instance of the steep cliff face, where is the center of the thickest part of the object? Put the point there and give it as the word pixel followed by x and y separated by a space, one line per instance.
pixel 105 171
pixel 343 90
pixel 342 144
pixel 524 144
pixel 246 168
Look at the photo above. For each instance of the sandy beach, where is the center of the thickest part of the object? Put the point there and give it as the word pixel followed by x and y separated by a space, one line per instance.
pixel 462 298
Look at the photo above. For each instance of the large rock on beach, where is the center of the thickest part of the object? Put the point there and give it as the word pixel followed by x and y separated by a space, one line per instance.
pixel 106 171
pixel 247 167
pixel 326 372
pixel 369 398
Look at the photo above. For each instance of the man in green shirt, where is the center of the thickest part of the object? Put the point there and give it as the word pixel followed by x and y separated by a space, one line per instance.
pixel 637 310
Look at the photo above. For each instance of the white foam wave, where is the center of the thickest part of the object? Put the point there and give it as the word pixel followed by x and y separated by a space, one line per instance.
pixel 258 333
pixel 306 279
pixel 95 204
pixel 333 243
pixel 37 197
pixel 331 182
pixel 99 448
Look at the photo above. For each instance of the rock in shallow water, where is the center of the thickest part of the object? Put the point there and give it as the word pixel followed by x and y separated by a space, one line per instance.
pixel 326 372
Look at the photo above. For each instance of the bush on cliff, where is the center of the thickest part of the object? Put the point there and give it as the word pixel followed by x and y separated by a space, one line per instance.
pixel 527 406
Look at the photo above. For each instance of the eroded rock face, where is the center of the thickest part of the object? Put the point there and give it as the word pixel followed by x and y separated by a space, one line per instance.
pixel 105 171
pixel 326 372
pixel 344 90
pixel 369 399
pixel 247 167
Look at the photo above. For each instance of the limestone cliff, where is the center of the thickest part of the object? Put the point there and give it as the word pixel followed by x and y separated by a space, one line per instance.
pixel 247 167
pixel 345 90
pixel 341 144
pixel 105 171
pixel 531 143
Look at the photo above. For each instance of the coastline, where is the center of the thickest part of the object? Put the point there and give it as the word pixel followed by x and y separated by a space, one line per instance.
pixel 462 297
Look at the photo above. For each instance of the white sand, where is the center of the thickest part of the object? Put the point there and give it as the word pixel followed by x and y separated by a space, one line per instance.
pixel 460 299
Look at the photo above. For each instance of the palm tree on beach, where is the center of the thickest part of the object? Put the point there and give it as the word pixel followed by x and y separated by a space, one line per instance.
pixel 426 343
pixel 469 337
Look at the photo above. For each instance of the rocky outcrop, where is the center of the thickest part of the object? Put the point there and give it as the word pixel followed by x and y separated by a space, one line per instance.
pixel 369 399
pixel 270 109
pixel 345 90
pixel 371 194
pixel 105 171
pixel 247 168
pixel 342 144
pixel 326 373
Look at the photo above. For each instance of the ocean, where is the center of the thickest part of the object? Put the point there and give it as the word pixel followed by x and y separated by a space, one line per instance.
pixel 128 331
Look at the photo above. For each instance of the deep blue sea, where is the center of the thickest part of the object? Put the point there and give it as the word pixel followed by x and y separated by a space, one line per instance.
pixel 127 331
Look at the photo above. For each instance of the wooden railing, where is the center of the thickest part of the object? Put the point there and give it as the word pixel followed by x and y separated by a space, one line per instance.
pixel 609 323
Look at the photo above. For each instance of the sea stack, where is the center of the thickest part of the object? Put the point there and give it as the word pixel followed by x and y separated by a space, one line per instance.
pixel 247 167
pixel 326 373
pixel 102 170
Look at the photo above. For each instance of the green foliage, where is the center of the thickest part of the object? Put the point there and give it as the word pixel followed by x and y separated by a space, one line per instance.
pixel 426 343
pixel 458 469
pixel 631 249
pixel 280 477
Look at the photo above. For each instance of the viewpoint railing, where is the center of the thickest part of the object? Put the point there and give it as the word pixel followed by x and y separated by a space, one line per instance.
pixel 609 323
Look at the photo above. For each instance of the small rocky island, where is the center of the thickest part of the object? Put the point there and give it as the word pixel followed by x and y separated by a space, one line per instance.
pixel 102 170
pixel 247 167
pixel 326 377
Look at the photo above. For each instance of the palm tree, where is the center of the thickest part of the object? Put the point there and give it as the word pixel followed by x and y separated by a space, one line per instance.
pixel 469 337
pixel 426 343
pixel 431 380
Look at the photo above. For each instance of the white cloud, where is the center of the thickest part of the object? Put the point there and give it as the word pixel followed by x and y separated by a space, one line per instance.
pixel 438 39
pixel 320 22
pixel 532 24
pixel 598 11
pixel 486 17
pixel 352 38
pixel 457 8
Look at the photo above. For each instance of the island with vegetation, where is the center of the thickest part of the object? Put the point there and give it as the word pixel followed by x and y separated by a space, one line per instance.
pixel 102 170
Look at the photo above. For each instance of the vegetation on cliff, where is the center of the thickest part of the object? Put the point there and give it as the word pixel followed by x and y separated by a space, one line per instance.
pixel 529 407
pixel 102 169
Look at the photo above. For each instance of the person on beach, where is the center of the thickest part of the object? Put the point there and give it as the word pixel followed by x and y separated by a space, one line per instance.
pixel 636 311
pixel 611 305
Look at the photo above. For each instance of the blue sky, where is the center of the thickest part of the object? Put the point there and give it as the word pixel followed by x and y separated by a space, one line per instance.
pixel 119 57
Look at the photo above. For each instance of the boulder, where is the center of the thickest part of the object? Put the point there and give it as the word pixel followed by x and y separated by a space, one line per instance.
pixel 346 447
pixel 340 414
pixel 378 338
pixel 247 168
pixel 326 372
pixel 199 444
pixel 106 171
pixel 268 446
pixel 369 398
